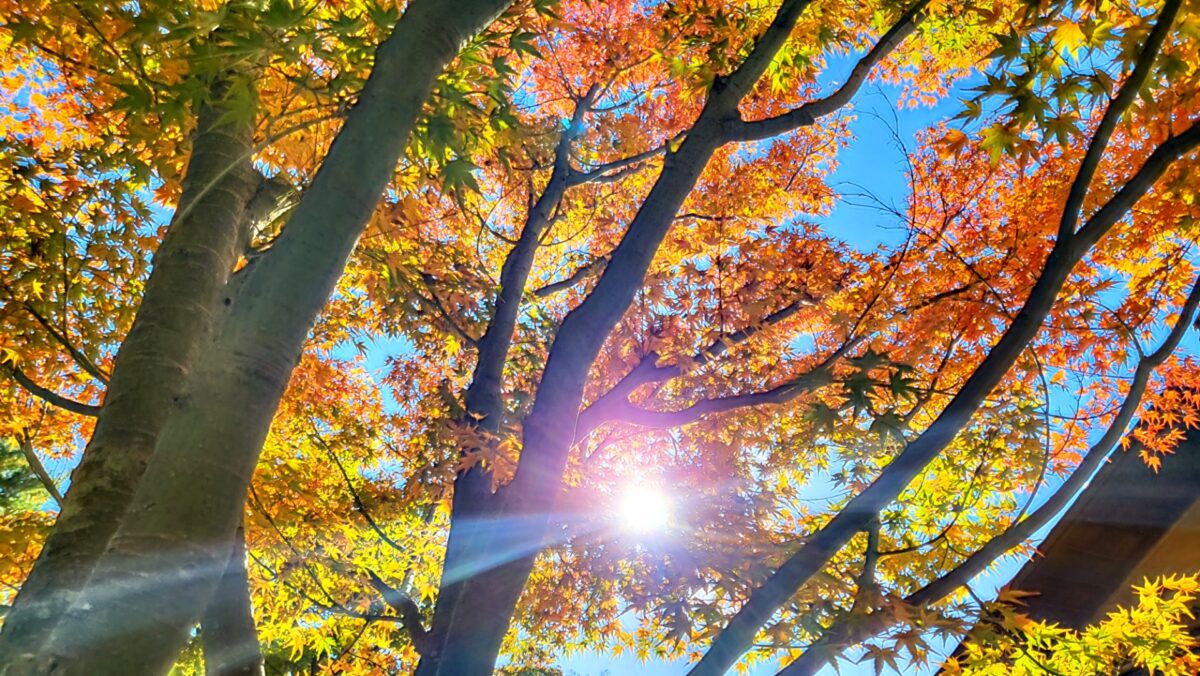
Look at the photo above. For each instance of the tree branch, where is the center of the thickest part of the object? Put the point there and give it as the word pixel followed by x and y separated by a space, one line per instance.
pixel 483 395
pixel 721 345
pixel 779 394
pixel 35 464
pixel 600 173
pixel 845 633
pixel 738 84
pixel 49 396
pixel 79 357
pixel 332 606
pixel 622 409
pixel 1141 182
pixel 586 272
pixel 809 113
pixel 614 403
pixel 410 613
pixel 738 635
pixel 359 505
pixel 1112 114
pixel 434 303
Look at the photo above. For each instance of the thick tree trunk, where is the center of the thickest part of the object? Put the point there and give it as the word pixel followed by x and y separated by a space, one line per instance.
pixel 227 628
pixel 175 317
pixel 165 560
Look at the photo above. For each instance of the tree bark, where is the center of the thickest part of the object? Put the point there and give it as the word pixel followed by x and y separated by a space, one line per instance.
pixel 472 488
pixel 165 560
pixel 227 629
pixel 174 319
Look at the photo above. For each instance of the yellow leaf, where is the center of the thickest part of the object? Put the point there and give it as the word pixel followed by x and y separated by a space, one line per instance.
pixel 1070 37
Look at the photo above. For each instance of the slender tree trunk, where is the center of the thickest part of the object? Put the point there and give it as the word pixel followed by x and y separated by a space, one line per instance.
pixel 473 499
pixel 173 321
pixel 227 628
pixel 165 560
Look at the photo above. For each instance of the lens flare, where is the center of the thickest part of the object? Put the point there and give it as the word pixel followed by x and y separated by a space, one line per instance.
pixel 644 509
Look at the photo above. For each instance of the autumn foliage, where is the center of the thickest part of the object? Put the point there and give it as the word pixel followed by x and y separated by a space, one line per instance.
pixel 612 246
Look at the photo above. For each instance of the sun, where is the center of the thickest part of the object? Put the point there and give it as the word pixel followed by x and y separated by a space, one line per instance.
pixel 643 509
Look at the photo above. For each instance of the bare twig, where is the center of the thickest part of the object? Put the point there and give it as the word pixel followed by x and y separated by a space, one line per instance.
pixel 39 469
pixel 49 396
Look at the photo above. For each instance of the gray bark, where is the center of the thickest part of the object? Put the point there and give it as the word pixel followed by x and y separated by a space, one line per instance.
pixel 227 629
pixel 174 319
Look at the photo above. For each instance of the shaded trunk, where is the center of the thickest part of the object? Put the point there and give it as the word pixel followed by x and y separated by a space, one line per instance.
pixel 227 628
pixel 484 611
pixel 173 321
pixel 468 543
pixel 163 564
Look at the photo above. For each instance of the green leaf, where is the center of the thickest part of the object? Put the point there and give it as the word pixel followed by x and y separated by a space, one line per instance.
pixel 136 98
pixel 522 41
pixel 458 174
pixel 281 14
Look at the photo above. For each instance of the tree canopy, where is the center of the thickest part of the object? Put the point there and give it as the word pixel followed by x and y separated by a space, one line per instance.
pixel 355 323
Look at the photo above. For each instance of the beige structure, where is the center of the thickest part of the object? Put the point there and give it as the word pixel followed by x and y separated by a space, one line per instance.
pixel 1127 525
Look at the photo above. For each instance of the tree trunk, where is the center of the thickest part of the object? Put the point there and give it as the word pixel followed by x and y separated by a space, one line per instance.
pixel 466 545
pixel 227 629
pixel 165 560
pixel 174 319
pixel 484 611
